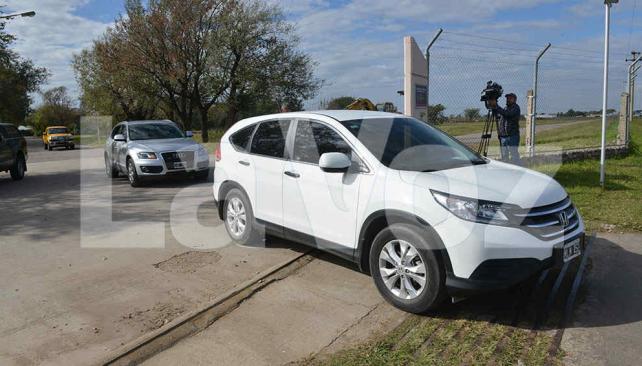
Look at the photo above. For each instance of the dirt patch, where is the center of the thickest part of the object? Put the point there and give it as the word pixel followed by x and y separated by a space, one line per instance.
pixel 155 317
pixel 189 262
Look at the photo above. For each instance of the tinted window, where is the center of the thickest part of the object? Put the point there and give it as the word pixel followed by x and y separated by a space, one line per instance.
pixel 269 138
pixel 154 131
pixel 410 144
pixel 57 130
pixel 117 130
pixel 313 139
pixel 241 138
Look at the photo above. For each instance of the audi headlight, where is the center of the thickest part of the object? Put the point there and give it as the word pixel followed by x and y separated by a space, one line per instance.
pixel 146 155
pixel 202 152
pixel 471 209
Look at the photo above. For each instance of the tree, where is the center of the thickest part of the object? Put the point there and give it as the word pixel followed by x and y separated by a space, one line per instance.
pixel 56 109
pixel 18 79
pixel 270 71
pixel 435 114
pixel 472 114
pixel 340 102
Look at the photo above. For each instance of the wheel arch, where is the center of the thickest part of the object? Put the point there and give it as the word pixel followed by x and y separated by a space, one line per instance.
pixel 225 187
pixel 381 219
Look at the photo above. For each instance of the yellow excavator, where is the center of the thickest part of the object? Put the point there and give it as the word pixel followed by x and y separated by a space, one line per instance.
pixel 365 104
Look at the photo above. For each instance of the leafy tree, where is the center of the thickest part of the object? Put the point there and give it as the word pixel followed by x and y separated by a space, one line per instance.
pixel 472 114
pixel 18 79
pixel 340 102
pixel 271 73
pixel 56 109
pixel 435 114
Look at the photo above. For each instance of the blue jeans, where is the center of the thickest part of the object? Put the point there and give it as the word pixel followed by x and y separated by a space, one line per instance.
pixel 509 148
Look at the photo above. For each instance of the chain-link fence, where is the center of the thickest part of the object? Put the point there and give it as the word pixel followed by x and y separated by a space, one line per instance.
pixel 569 94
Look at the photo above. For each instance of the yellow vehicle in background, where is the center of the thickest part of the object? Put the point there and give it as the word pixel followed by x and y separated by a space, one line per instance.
pixel 58 136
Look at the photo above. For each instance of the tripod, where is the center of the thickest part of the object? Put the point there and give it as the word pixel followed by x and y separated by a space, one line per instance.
pixel 487 133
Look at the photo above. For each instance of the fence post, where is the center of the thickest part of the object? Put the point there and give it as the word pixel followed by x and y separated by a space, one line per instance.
pixel 529 123
pixel 625 118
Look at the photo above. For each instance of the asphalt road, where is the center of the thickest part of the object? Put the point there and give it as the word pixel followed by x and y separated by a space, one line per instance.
pixel 69 297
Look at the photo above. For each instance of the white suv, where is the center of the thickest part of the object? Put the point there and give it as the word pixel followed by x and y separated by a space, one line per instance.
pixel 425 215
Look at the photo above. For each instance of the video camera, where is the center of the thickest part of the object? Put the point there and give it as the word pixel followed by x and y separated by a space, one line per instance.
pixel 492 91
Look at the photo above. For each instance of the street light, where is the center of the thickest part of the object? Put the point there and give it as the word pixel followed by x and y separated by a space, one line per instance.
pixel 605 90
pixel 24 15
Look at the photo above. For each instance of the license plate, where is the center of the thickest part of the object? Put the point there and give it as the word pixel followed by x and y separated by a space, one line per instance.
pixel 571 250
pixel 180 165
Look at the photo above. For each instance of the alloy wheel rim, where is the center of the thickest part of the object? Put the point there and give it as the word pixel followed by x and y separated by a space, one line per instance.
pixel 402 269
pixel 236 217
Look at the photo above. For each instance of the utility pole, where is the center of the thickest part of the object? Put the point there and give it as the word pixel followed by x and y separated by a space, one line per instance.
pixel 432 41
pixel 605 89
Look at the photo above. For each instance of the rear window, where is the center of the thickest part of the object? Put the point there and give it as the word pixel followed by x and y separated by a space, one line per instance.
pixel 269 139
pixel 12 132
pixel 241 138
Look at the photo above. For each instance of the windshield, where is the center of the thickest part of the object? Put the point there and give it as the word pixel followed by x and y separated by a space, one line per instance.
pixel 153 131
pixel 53 131
pixel 409 144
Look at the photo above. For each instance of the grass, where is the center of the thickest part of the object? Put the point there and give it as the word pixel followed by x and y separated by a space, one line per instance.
pixel 466 128
pixel 619 202
pixel 435 341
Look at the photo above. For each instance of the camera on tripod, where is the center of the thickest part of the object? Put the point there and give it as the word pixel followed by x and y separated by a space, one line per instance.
pixel 493 91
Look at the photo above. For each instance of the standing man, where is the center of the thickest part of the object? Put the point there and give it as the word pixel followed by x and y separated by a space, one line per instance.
pixel 508 128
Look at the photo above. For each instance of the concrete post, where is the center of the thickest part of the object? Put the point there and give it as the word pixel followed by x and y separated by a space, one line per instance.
pixel 530 106
pixel 625 119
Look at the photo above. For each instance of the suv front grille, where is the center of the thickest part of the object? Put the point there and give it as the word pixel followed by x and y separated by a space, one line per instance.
pixel 178 159
pixel 549 222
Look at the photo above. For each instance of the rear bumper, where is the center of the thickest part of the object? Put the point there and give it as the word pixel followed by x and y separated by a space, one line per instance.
pixel 501 274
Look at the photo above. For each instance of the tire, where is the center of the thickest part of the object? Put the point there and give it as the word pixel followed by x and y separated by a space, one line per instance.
pixel 19 167
pixel 72 147
pixel 46 146
pixel 395 239
pixel 110 170
pixel 132 175
pixel 49 147
pixel 249 234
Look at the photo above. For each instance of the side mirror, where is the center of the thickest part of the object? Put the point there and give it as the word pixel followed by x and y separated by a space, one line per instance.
pixel 334 162
pixel 120 137
pixel 189 134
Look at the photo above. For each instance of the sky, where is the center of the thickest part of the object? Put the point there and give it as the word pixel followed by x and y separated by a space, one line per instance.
pixel 358 45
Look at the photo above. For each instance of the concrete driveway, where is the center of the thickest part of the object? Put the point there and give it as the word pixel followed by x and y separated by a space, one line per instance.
pixel 64 303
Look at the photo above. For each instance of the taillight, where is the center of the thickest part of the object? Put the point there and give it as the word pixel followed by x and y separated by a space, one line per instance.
pixel 217 153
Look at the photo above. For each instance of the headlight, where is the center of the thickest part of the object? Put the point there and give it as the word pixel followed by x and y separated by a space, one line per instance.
pixel 471 209
pixel 146 155
pixel 202 151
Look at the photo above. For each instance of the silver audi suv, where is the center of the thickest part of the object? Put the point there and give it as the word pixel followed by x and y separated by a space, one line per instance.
pixel 146 149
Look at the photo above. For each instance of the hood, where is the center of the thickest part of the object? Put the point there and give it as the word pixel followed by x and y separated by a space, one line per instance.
pixel 60 134
pixel 495 181
pixel 165 144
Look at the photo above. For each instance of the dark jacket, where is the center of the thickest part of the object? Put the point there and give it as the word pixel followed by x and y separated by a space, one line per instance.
pixel 508 124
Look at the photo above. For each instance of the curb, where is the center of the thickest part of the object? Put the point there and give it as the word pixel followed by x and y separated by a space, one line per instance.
pixel 195 321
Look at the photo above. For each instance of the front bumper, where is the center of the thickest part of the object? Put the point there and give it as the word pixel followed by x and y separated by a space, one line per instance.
pixel 61 143
pixel 158 168
pixel 501 274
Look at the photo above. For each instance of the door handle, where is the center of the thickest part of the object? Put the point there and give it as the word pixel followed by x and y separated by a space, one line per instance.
pixel 292 174
pixel 243 162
